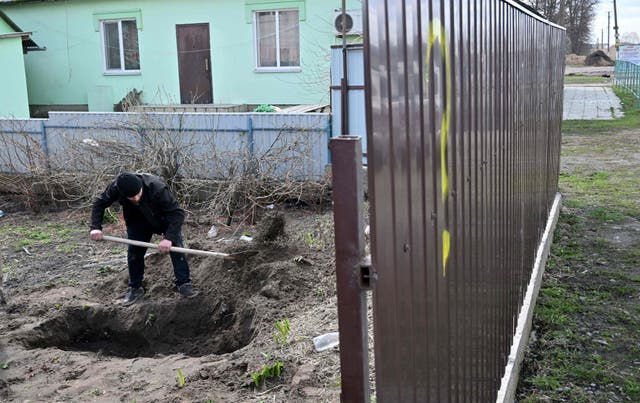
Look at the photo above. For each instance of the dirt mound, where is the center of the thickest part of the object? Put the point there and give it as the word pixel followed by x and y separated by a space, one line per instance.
pixel 598 58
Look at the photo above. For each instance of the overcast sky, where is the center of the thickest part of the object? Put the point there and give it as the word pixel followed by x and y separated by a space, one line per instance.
pixel 628 18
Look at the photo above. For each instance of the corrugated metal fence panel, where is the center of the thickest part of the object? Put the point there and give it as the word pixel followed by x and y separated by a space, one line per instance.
pixel 355 101
pixel 212 144
pixel 464 107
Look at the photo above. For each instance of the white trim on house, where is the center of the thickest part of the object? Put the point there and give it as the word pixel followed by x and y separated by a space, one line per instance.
pixel 122 71
pixel 256 47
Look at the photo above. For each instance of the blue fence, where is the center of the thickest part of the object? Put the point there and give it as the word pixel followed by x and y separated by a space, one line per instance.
pixel 627 76
pixel 351 103
pixel 212 140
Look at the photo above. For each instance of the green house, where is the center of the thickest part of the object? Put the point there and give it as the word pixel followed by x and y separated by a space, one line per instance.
pixel 178 52
pixel 14 43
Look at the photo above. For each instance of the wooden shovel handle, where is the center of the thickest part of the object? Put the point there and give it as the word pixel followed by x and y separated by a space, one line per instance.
pixel 172 249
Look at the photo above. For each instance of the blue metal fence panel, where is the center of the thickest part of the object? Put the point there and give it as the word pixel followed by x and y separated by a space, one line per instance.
pixel 356 121
pixel 627 76
pixel 215 144
pixel 19 136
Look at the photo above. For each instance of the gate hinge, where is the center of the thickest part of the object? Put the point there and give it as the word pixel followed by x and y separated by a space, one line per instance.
pixel 368 275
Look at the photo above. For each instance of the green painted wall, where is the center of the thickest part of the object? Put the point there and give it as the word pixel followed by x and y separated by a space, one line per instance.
pixel 4 27
pixel 71 67
pixel 14 101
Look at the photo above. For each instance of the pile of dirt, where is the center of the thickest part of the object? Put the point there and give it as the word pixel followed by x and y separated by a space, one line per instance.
pixel 598 58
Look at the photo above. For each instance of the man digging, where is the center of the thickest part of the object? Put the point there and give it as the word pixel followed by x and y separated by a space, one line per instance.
pixel 148 208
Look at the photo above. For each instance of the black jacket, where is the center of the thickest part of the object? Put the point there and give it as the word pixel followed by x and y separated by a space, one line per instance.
pixel 157 208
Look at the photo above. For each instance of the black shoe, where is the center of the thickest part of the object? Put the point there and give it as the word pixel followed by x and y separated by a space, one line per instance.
pixel 133 295
pixel 186 290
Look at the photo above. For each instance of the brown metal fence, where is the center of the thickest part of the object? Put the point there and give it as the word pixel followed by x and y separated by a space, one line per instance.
pixel 464 107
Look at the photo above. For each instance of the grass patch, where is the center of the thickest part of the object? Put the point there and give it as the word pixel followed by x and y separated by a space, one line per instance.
pixel 619 192
pixel 624 291
pixel 569 251
pixel 573 204
pixel 581 79
pixel 555 307
pixel 565 376
pixel 23 236
pixel 606 215
pixel 632 389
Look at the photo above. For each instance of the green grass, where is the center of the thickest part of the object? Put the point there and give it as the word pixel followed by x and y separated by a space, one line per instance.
pixel 567 378
pixel 567 360
pixel 556 306
pixel 580 79
pixel 632 389
pixel 23 236
pixel 619 192
pixel 630 120
pixel 606 215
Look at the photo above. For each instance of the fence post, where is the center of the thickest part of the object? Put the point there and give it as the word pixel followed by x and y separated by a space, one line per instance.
pixel 349 248
pixel 45 145
pixel 329 139
pixel 250 131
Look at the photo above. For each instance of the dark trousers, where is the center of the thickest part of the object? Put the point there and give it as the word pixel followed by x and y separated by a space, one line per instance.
pixel 141 231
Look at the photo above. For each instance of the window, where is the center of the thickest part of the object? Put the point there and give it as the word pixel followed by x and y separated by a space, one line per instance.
pixel 277 40
pixel 120 46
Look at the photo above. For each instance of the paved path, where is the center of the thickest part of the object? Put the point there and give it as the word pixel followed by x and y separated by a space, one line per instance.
pixel 589 103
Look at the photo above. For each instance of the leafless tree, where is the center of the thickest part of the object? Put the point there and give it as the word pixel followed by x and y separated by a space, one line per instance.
pixel 576 15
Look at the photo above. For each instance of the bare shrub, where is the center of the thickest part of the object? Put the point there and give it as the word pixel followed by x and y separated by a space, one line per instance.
pixel 23 167
pixel 218 172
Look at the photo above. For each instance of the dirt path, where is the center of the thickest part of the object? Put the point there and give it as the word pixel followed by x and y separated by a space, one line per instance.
pixel 65 337
pixel 585 346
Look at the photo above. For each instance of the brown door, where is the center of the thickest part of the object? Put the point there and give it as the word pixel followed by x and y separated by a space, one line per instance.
pixel 194 63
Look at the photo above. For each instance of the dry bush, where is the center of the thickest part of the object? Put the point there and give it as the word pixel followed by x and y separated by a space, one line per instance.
pixel 24 172
pixel 223 179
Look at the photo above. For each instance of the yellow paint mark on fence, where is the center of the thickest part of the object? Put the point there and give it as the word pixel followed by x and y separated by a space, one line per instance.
pixel 437 34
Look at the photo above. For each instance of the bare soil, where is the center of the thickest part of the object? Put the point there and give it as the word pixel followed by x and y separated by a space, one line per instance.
pixel 64 336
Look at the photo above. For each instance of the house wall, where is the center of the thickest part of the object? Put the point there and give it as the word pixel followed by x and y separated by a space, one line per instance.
pixel 72 66
pixel 14 101
pixel 4 27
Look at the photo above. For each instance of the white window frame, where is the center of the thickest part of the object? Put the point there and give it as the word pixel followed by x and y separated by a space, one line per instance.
pixel 121 71
pixel 256 45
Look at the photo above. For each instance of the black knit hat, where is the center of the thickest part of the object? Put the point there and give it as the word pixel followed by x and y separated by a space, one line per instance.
pixel 128 184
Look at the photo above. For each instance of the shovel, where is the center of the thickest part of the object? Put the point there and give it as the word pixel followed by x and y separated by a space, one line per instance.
pixel 228 256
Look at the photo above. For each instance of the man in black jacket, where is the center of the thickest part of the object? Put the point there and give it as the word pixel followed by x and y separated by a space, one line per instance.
pixel 148 208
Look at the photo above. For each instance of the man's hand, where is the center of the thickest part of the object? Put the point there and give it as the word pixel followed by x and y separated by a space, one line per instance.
pixel 164 245
pixel 95 234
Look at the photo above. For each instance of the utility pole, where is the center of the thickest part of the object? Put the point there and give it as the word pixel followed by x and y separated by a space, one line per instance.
pixel 602 37
pixel 615 24
pixel 608 30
